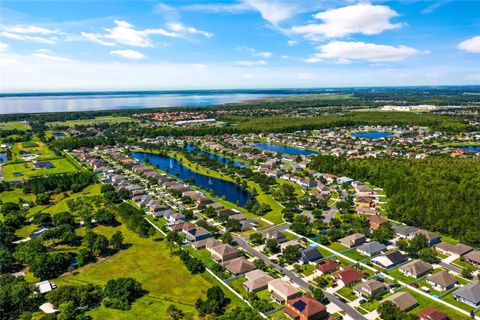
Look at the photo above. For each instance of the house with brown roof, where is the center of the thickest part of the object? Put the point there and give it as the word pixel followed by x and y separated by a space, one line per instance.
pixel 430 313
pixel 281 291
pixel 376 221
pixel 473 257
pixel 457 250
pixel 348 276
pixel 416 268
pixel 365 202
pixel 353 240
pixel 238 266
pixel 403 300
pixel 327 266
pixel 305 307
pixel 442 280
pixel 370 288
pixel 223 252
pixel 256 280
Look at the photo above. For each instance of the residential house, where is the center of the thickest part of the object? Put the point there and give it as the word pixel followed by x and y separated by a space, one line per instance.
pixel 432 238
pixel 430 313
pixel 403 300
pixel 371 248
pixel 305 307
pixel 468 294
pixel 343 180
pixel 327 266
pixel 442 280
pixel 310 254
pixel 238 266
pixel 390 259
pixel 197 233
pixel 370 288
pixel 348 276
pixel 403 231
pixel 224 252
pixel 365 202
pixel 416 268
pixel 276 234
pixel 282 291
pixel 176 217
pixel 256 280
pixel 45 286
pixel 289 243
pixel 473 257
pixel 457 250
pixel 353 240
pixel 376 221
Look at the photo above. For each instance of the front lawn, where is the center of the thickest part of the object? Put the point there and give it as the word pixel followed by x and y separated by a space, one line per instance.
pixel 337 246
pixel 347 293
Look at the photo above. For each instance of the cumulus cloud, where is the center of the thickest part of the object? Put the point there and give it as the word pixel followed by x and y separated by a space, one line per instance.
pixel 291 43
pixel 3 46
pixel 274 11
pixel 344 52
pixel 128 54
pixel 255 52
pixel 470 45
pixel 251 63
pixel 361 18
pixel 126 34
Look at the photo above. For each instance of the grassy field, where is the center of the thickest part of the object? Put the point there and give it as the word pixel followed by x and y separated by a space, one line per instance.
pixel 149 262
pixel 87 122
pixel 60 203
pixel 15 195
pixel 27 170
pixel 14 125
pixel 33 147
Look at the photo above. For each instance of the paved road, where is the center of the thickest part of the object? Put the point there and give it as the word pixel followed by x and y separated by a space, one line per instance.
pixel 330 213
pixel 450 267
pixel 347 308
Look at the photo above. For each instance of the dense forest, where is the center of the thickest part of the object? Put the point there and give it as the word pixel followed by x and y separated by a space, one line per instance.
pixel 439 194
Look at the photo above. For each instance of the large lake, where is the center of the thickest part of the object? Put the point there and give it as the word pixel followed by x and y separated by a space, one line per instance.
pixel 90 102
pixel 231 191
pixel 221 159
pixel 284 149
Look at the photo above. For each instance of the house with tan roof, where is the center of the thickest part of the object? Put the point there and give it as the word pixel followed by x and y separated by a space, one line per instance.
pixel 457 250
pixel 370 288
pixel 224 252
pixel 281 291
pixel 473 257
pixel 238 266
pixel 256 280
pixel 403 300
pixel 442 280
pixel 416 268
pixel 353 240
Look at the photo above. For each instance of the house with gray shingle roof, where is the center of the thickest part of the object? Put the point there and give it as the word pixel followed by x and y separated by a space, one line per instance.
pixel 469 294
pixel 371 248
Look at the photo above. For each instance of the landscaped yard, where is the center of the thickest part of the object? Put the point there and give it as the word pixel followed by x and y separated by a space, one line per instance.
pixel 337 246
pixel 34 146
pixel 424 302
pixel 149 262
pixel 347 293
pixel 400 276
pixel 355 255
pixel 26 169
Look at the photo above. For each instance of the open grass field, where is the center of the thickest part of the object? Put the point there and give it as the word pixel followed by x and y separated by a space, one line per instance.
pixel 27 170
pixel 150 263
pixel 14 125
pixel 87 122
pixel 60 203
pixel 32 147
pixel 15 195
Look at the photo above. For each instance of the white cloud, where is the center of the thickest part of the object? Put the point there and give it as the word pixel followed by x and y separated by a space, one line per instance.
pixel 251 63
pixel 343 52
pixel 218 7
pixel 3 46
pixel 362 18
pixel 29 30
pixel 49 55
pixel 274 11
pixel 470 45
pixel 22 37
pixel 126 34
pixel 291 43
pixel 128 54
pixel 261 54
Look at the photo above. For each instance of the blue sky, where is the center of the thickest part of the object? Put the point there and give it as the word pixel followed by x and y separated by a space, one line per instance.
pixel 117 45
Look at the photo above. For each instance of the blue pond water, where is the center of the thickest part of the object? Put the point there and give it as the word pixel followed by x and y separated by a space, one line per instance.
pixel 472 148
pixel 372 134
pixel 223 160
pixel 231 191
pixel 59 135
pixel 284 149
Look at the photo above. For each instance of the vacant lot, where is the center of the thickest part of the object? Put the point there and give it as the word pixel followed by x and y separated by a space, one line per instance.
pixel 14 125
pixel 88 122
pixel 27 170
pixel 150 263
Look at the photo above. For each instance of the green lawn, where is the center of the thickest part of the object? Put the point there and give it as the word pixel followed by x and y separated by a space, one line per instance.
pixel 27 170
pixel 424 302
pixel 237 285
pixel 203 254
pixel 463 264
pixel 337 246
pixel 14 125
pixel 400 276
pixel 355 255
pixel 60 203
pixel 34 146
pixel 15 195
pixel 163 276
pixel 347 293
pixel 450 299
pixel 87 122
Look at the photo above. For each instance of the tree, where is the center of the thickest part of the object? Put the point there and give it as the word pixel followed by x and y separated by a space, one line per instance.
pixel 63 218
pixel 272 246
pixel 27 251
pixel 256 238
pixel 227 238
pixel 174 313
pixel 7 236
pixel 240 313
pixel 214 304
pixel 319 295
pixel 120 293
pixel 49 265
pixel 100 246
pixel 428 255
pixel 43 199
pixel 301 225
pixel 42 218
pixel 466 273
pixel 16 297
pixel 383 234
pixel 7 262
pixel 291 254
pixel 418 243
pixel 116 241
pixel 105 217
